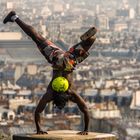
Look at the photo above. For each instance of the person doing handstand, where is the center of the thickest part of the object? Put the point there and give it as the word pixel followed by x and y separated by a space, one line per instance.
pixel 63 64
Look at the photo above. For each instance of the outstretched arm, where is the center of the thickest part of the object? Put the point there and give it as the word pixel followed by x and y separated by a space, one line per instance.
pixel 83 108
pixel 46 98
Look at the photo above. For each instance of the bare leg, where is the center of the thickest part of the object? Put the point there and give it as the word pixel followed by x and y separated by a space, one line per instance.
pixel 80 50
pixel 29 30
pixel 88 38
pixel 83 108
pixel 40 107
pixel 88 43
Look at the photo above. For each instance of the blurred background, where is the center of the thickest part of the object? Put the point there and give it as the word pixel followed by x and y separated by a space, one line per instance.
pixel 109 80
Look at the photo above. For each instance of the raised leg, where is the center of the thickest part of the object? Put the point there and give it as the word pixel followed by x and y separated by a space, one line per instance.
pixel 88 38
pixel 29 30
pixel 86 45
pixel 80 50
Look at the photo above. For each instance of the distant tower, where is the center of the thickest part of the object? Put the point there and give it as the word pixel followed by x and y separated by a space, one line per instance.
pixel 125 4
pixel 103 22
pixel 97 9
pixel 138 8
pixel 59 32
pixel 132 13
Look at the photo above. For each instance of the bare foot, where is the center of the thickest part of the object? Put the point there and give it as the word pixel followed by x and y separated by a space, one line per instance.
pixel 8 17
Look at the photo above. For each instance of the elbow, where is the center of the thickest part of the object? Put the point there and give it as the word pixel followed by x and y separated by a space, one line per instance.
pixel 85 110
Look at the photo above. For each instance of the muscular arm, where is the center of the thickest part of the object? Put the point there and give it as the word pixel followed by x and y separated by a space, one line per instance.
pixel 83 108
pixel 46 98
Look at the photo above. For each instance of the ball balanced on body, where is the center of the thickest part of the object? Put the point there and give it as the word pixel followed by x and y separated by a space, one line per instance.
pixel 60 84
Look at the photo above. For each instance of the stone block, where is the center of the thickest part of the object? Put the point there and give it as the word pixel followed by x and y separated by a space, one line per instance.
pixel 65 135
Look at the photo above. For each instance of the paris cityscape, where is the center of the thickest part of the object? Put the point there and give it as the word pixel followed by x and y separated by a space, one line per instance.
pixel 108 80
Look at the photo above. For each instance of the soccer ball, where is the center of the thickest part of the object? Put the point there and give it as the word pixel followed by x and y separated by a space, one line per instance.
pixel 60 84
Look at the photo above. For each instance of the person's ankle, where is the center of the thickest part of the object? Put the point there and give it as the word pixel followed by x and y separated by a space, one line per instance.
pixel 14 17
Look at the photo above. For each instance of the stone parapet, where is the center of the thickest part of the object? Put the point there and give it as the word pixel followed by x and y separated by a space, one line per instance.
pixel 65 135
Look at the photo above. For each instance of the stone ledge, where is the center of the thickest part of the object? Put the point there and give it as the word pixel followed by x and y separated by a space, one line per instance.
pixel 65 135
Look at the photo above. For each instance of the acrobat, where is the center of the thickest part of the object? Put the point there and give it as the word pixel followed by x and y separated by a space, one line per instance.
pixel 61 88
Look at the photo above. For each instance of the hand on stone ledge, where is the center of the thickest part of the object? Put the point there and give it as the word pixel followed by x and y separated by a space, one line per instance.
pixel 83 133
pixel 42 132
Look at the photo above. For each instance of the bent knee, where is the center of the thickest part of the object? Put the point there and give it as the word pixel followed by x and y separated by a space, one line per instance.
pixel 84 108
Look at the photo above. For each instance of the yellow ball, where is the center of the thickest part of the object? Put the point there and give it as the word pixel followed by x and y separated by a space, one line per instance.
pixel 60 84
